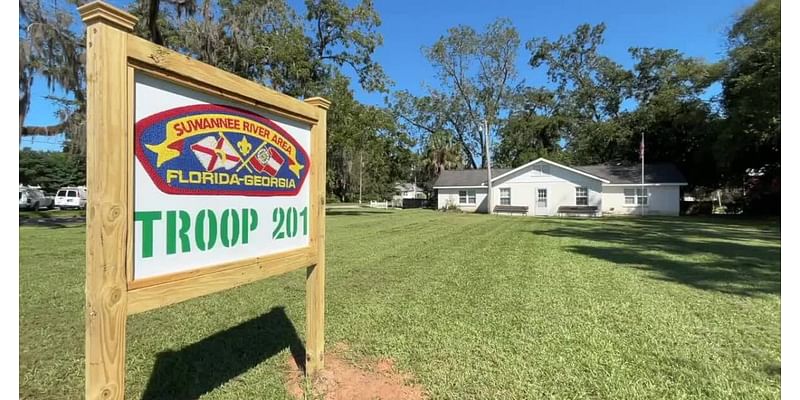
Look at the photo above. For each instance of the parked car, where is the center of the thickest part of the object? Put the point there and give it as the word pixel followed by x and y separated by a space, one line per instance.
pixel 33 198
pixel 71 197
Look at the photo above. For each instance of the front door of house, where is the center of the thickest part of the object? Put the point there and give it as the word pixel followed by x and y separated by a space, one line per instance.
pixel 541 201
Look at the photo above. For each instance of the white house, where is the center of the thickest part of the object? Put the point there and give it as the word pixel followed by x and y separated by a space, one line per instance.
pixel 544 186
pixel 409 191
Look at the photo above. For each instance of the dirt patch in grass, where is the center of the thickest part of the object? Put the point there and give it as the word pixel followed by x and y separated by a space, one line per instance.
pixel 341 380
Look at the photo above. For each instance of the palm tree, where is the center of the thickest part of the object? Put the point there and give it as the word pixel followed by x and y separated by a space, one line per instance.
pixel 440 152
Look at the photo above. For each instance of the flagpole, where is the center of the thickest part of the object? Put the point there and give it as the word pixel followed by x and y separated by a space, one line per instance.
pixel 641 206
pixel 488 166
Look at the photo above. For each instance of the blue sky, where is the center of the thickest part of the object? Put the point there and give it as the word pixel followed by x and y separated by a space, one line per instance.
pixel 696 28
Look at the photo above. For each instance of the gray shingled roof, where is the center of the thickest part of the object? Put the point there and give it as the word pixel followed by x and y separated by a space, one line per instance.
pixel 467 177
pixel 653 173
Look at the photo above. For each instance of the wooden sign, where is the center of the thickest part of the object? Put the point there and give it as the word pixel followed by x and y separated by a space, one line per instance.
pixel 198 181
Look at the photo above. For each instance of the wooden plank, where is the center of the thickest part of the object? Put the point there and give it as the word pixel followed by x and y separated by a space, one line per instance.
pixel 263 261
pixel 315 275
pixel 187 71
pixel 239 273
pixel 108 208
pixel 100 12
pixel 130 157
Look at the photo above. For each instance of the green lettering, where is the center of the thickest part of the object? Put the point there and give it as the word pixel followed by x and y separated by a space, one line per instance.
pixel 199 236
pixel 228 216
pixel 147 218
pixel 248 215
pixel 173 233
pixel 304 214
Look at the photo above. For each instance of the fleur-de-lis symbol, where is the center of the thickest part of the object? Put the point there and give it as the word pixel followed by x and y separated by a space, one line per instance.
pixel 244 146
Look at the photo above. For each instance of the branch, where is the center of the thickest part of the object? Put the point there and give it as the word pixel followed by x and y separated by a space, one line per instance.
pixel 462 140
pixel 152 22
pixel 65 36
pixel 416 124
pixel 49 130
pixel 467 99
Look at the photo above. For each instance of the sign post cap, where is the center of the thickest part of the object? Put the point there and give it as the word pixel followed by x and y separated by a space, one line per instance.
pixel 102 12
pixel 319 102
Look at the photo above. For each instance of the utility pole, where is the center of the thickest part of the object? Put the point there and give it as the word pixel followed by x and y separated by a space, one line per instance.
pixel 641 206
pixel 360 173
pixel 488 165
pixel 414 172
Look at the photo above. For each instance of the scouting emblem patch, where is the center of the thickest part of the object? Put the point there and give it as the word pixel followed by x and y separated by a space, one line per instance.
pixel 219 150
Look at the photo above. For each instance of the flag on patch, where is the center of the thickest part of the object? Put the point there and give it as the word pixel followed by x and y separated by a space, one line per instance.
pixel 215 153
pixel 267 160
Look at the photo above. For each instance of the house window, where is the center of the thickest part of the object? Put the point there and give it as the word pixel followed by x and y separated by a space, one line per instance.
pixel 636 197
pixel 541 198
pixel 505 196
pixel 581 196
pixel 466 197
pixel 641 194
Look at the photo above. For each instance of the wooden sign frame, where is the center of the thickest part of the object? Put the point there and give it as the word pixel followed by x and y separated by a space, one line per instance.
pixel 113 56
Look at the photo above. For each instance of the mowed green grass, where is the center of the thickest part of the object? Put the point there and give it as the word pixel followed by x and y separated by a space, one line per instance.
pixel 473 306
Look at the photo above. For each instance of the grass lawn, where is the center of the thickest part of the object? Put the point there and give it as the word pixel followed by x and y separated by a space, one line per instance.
pixel 473 306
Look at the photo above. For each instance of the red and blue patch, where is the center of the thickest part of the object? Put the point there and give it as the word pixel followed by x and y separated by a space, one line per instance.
pixel 213 149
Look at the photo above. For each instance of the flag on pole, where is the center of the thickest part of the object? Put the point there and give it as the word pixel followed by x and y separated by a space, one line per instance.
pixel 267 160
pixel 641 149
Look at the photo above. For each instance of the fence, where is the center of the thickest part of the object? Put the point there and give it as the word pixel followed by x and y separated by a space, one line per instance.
pixel 379 204
pixel 414 203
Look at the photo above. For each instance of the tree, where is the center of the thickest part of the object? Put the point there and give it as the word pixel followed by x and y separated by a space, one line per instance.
pixel 660 74
pixel 439 152
pixel 48 48
pixel 265 40
pixel 589 87
pixel 663 95
pixel 347 36
pixel 532 130
pixel 588 95
pixel 477 78
pixel 51 170
pixel 680 126
pixel 587 98
pixel 261 40
pixel 363 138
pixel 751 94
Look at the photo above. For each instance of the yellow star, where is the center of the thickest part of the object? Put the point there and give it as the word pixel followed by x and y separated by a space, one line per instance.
pixel 163 152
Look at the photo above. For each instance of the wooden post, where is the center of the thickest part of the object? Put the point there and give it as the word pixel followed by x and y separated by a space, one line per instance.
pixel 108 216
pixel 315 275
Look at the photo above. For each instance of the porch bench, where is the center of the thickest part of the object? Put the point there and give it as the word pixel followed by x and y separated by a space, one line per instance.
pixel 511 209
pixel 577 210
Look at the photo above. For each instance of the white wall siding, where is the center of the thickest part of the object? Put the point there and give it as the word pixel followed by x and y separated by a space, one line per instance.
pixel 450 196
pixel 662 200
pixel 560 184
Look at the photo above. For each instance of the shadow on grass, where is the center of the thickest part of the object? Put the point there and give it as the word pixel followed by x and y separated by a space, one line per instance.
pixel 55 222
pixel 709 255
pixel 203 366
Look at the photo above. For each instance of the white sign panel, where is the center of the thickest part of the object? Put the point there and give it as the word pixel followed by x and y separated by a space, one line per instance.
pixel 214 181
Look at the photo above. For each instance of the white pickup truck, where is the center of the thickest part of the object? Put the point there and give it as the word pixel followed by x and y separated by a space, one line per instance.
pixel 33 198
